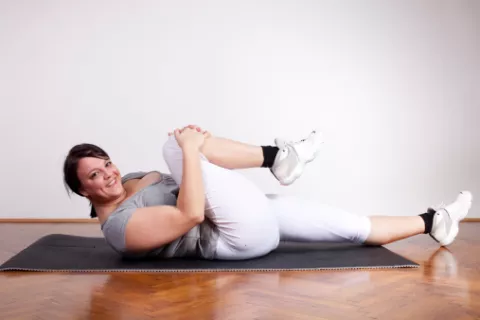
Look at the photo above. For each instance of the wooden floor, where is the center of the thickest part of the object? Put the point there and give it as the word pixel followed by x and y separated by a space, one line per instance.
pixel 446 286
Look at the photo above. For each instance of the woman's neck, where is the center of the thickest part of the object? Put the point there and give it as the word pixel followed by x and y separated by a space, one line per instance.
pixel 104 210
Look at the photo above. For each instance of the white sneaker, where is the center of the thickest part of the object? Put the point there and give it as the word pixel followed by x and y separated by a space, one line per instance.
pixel 293 156
pixel 446 219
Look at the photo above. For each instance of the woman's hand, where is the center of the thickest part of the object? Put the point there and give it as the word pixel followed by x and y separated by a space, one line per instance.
pixel 189 138
pixel 192 126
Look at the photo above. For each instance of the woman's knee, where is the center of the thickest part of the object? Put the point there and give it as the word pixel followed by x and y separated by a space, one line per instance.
pixel 262 239
pixel 171 150
pixel 252 242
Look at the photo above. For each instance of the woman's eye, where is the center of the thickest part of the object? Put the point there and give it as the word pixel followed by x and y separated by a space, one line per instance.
pixel 108 163
pixel 93 175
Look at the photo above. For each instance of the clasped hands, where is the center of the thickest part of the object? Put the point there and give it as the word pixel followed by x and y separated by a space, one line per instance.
pixel 190 136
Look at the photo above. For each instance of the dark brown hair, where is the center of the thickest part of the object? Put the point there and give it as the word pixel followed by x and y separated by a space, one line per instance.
pixel 70 166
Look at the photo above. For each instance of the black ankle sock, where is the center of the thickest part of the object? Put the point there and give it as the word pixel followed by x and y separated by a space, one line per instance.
pixel 428 219
pixel 269 154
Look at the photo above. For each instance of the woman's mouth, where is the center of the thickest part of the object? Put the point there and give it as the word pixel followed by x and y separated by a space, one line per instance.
pixel 112 183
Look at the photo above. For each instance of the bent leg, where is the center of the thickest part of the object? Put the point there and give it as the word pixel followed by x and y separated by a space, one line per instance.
pixel 232 154
pixel 237 207
pixel 286 160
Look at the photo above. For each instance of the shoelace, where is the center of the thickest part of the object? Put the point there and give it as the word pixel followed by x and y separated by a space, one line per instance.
pixel 291 144
pixel 294 143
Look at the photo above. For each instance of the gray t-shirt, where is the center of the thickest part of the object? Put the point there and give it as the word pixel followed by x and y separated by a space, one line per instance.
pixel 200 241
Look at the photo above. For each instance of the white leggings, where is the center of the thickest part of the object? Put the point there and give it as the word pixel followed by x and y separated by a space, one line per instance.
pixel 252 224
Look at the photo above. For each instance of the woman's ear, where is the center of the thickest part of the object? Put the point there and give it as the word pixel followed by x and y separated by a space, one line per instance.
pixel 83 192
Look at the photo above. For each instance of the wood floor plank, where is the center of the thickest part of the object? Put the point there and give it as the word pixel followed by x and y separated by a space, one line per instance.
pixel 446 286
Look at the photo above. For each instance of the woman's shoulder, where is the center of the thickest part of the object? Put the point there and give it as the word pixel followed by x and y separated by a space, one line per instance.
pixel 148 192
pixel 149 184
pixel 158 175
pixel 137 175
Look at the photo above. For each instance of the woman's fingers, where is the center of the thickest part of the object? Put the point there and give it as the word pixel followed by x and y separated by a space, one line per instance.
pixel 174 132
pixel 177 133
pixel 193 127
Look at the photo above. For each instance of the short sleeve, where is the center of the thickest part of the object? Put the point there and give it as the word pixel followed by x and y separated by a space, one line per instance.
pixel 114 228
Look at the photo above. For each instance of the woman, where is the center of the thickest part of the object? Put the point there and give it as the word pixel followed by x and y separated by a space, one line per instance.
pixel 204 209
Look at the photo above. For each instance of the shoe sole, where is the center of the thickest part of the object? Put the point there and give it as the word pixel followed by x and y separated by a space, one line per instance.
pixel 455 228
pixel 294 176
pixel 449 238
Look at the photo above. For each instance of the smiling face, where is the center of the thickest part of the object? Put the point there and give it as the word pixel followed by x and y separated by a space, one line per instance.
pixel 100 179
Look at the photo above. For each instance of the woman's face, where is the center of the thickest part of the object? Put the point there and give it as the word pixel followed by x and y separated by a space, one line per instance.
pixel 100 179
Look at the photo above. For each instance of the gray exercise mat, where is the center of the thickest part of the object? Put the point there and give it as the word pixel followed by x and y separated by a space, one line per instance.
pixel 67 253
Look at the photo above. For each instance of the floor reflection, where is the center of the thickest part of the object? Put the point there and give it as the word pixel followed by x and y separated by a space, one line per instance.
pixel 255 295
pixel 442 263
pixel 215 295
pixel 124 296
pixel 443 270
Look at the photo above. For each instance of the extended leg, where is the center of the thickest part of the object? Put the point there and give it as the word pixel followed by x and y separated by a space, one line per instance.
pixel 441 223
pixel 386 229
pixel 307 221
pixel 304 220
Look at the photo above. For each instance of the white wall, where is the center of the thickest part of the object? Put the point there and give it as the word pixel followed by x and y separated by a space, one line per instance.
pixel 394 85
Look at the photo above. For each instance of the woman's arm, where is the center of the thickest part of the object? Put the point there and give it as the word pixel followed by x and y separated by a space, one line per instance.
pixel 153 227
pixel 191 198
